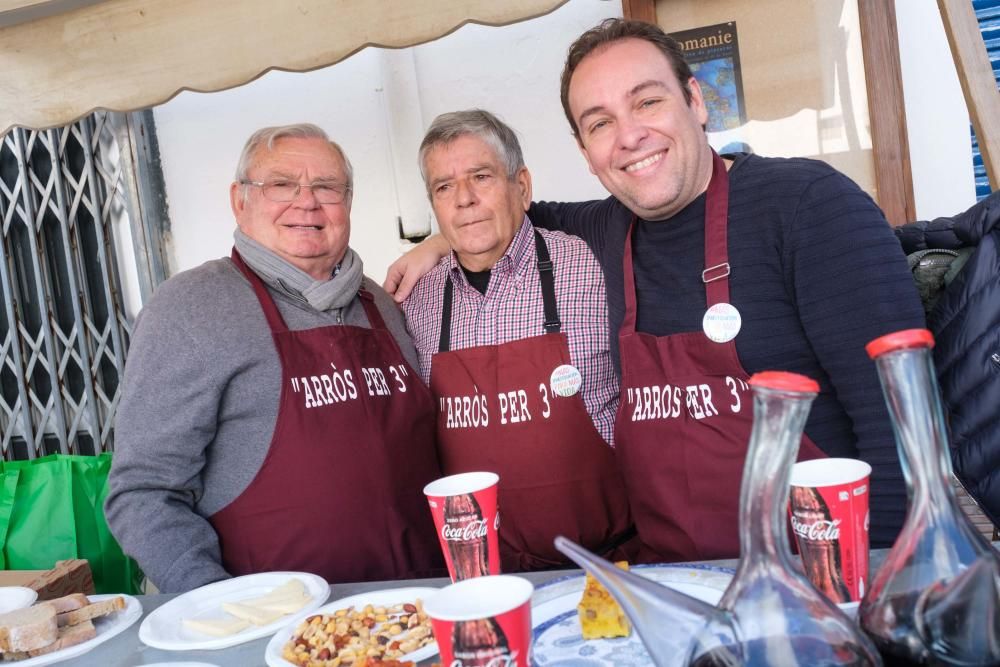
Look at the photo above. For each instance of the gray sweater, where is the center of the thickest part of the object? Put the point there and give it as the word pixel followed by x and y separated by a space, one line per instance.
pixel 199 403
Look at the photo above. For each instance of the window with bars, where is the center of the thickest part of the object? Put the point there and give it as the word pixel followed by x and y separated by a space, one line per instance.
pixel 63 329
pixel 988 16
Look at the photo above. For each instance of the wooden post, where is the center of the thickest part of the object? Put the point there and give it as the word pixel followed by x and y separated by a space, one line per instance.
pixel 639 10
pixel 891 150
pixel 976 76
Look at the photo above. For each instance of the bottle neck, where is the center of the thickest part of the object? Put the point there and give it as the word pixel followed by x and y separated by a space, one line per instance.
pixel 914 403
pixel 779 420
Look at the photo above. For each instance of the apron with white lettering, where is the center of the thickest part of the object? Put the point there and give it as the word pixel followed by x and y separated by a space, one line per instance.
pixel 497 412
pixel 340 492
pixel 685 416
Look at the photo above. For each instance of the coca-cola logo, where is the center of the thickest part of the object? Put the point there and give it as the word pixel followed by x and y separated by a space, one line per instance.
pixel 468 531
pixel 821 529
pixel 499 661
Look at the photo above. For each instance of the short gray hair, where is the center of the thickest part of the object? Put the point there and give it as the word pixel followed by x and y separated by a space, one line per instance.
pixel 266 136
pixel 448 127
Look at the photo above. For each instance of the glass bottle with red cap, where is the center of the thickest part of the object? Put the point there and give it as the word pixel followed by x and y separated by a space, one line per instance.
pixel 936 598
pixel 770 614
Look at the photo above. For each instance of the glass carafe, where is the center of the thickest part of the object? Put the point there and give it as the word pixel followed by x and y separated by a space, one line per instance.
pixel 936 598
pixel 770 614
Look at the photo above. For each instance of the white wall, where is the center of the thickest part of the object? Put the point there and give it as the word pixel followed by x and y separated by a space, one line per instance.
pixel 377 103
pixel 937 118
pixel 367 103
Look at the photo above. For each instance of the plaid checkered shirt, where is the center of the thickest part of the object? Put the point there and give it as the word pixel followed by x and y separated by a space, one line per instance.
pixel 512 309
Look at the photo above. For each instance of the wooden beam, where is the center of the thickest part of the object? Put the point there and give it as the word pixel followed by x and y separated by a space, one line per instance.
pixel 976 76
pixel 886 110
pixel 639 10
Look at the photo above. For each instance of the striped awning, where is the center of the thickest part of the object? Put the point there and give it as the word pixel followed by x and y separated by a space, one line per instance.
pixel 61 59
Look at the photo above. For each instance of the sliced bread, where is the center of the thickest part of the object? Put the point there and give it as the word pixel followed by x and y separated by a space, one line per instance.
pixel 28 629
pixel 69 602
pixel 71 635
pixel 91 611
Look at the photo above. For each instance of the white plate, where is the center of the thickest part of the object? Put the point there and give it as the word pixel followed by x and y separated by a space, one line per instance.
pixel 16 597
pixel 164 628
pixel 383 597
pixel 107 627
pixel 556 627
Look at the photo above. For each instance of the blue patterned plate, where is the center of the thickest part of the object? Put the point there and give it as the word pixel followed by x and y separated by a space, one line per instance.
pixel 556 628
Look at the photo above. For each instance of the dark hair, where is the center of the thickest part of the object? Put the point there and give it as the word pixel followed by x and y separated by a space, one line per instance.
pixel 614 30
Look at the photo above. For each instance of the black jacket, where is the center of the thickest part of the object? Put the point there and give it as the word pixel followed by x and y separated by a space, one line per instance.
pixel 966 326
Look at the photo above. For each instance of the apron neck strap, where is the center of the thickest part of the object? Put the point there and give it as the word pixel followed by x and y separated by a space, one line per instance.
pixel 546 277
pixel 444 343
pixel 274 318
pixel 375 319
pixel 716 273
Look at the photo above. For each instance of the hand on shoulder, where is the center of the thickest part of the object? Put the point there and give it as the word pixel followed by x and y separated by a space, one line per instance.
pixel 404 273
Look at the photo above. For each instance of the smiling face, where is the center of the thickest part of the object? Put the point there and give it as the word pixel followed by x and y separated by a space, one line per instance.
pixel 311 236
pixel 478 209
pixel 640 138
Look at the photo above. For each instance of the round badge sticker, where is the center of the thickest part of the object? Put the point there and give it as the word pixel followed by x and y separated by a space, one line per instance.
pixel 722 322
pixel 565 380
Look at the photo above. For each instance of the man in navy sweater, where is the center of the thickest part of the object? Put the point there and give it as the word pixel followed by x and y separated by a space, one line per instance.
pixel 715 269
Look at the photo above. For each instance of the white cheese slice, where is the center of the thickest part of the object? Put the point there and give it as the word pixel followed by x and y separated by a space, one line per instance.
pixel 253 614
pixel 287 598
pixel 285 606
pixel 217 627
pixel 291 588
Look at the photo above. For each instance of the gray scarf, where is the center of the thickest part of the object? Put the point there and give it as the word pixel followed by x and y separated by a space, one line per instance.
pixel 323 295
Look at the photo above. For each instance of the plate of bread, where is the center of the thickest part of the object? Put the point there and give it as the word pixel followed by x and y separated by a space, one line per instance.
pixel 232 611
pixel 67 627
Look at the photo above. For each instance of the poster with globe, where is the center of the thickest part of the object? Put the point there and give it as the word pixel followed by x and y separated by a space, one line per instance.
pixel 714 55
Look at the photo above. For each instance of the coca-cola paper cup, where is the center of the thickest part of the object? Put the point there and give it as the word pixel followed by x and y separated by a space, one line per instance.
pixel 829 513
pixel 466 516
pixel 483 622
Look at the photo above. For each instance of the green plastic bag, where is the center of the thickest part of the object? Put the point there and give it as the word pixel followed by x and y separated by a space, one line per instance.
pixel 52 509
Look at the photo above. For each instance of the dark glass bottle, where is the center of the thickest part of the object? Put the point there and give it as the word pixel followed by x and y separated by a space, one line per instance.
pixel 936 598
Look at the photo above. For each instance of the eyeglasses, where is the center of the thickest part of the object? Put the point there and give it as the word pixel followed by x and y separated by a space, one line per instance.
pixel 286 191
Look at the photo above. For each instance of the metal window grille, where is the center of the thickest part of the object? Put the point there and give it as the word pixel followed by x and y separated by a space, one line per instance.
pixel 988 15
pixel 63 330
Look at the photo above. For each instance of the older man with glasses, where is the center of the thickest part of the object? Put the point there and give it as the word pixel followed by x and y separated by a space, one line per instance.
pixel 271 416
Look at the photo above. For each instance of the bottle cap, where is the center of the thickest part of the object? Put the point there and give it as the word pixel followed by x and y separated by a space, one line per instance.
pixel 784 381
pixel 900 340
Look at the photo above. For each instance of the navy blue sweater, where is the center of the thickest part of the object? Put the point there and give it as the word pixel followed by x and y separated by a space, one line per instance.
pixel 816 274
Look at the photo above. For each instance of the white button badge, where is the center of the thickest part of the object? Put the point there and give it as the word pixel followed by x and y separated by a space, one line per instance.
pixel 565 380
pixel 722 322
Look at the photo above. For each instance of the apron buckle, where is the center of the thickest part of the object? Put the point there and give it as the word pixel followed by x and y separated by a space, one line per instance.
pixel 721 271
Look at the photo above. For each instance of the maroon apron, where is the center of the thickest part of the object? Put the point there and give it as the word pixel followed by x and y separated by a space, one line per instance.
pixel 340 492
pixel 498 413
pixel 685 417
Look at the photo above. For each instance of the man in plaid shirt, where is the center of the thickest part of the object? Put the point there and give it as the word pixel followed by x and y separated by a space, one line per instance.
pixel 511 332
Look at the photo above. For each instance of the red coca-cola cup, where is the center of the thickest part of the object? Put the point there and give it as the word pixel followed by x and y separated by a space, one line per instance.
pixel 466 516
pixel 483 622
pixel 829 514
